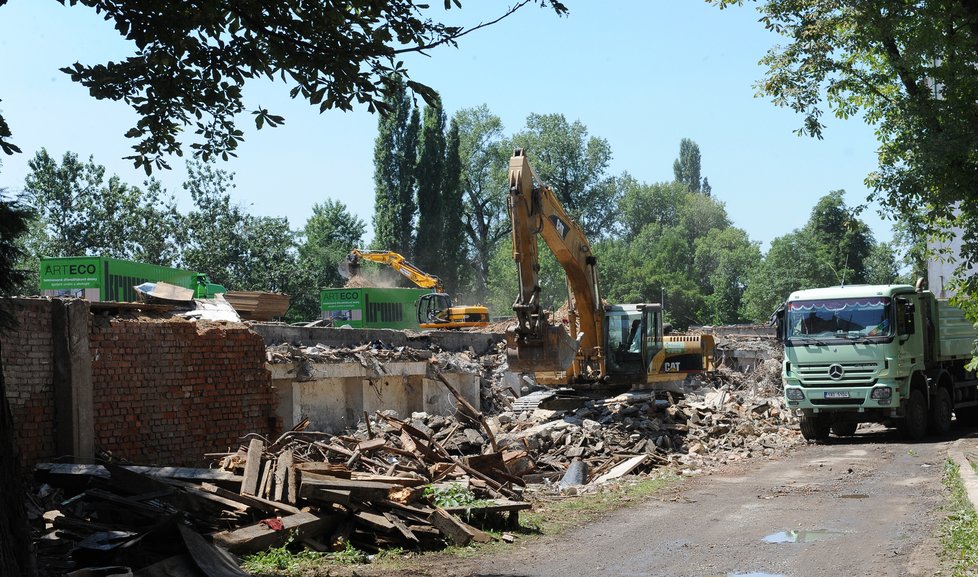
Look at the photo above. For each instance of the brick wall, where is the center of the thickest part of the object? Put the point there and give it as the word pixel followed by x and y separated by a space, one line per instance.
pixel 28 373
pixel 165 392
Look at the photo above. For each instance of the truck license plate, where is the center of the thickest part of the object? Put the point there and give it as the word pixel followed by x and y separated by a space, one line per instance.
pixel 836 394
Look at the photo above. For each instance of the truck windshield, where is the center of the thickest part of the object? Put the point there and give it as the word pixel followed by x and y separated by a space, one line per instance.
pixel 840 318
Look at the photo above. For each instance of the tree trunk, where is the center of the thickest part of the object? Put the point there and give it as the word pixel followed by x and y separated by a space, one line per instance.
pixel 16 552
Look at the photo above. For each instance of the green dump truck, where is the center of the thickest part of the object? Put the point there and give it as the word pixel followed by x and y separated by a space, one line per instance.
pixel 371 308
pixel 888 354
pixel 110 279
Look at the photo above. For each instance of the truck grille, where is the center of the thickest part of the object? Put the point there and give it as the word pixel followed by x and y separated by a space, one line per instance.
pixel 848 374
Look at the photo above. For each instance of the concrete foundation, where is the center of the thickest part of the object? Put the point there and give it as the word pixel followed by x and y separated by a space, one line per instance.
pixel 335 396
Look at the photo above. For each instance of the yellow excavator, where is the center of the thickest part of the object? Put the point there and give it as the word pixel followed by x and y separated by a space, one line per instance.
pixel 600 346
pixel 435 310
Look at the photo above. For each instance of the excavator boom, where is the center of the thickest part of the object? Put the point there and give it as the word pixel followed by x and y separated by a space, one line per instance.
pixel 535 344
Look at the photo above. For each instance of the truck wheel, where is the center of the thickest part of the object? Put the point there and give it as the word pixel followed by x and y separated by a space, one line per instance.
pixel 844 429
pixel 940 413
pixel 914 422
pixel 814 427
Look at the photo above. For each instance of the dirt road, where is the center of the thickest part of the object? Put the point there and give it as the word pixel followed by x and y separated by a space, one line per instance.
pixel 866 507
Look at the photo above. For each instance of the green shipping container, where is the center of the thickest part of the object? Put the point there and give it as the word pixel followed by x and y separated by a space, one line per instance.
pixel 374 308
pixel 105 279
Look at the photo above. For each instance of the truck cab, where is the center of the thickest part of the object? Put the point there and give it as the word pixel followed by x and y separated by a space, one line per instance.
pixel 892 354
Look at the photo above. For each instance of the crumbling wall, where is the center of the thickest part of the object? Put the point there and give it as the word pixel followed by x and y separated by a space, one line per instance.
pixel 166 392
pixel 150 391
pixel 27 354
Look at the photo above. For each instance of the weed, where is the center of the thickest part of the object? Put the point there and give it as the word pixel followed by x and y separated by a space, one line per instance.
pixel 282 561
pixel 959 530
pixel 912 452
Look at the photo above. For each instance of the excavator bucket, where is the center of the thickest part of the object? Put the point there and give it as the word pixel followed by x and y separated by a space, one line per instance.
pixel 553 353
pixel 348 267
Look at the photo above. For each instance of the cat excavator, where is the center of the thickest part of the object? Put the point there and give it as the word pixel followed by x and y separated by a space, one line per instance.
pixel 435 310
pixel 599 346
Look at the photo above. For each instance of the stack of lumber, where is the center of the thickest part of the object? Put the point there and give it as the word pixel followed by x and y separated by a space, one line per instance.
pixel 258 306
pixel 398 487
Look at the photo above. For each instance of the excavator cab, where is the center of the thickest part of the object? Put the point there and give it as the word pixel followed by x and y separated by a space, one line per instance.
pixel 433 308
pixel 633 336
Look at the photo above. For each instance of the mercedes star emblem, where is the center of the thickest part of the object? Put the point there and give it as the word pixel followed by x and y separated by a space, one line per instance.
pixel 836 371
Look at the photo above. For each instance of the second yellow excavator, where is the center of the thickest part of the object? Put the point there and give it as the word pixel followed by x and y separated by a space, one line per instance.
pixel 435 310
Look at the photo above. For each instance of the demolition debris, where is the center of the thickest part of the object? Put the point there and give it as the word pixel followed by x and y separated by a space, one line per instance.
pixel 415 482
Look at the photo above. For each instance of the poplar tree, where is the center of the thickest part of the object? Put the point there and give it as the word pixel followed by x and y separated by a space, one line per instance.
pixel 395 152
pixel 430 177
pixel 453 239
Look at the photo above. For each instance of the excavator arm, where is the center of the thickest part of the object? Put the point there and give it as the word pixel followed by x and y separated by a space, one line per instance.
pixel 534 344
pixel 396 262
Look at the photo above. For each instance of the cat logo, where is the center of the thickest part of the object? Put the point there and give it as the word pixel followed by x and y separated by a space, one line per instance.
pixel 672 367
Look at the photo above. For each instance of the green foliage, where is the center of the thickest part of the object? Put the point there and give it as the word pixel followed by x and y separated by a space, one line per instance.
pixel 395 157
pixel 687 166
pixel 959 529
pixel 79 213
pixel 908 69
pixel 831 249
pixel 573 164
pixel 454 262
pixel 190 63
pixel 328 236
pixel 455 495
pixel 286 561
pixel 484 156
pixel 15 216
pixel 430 172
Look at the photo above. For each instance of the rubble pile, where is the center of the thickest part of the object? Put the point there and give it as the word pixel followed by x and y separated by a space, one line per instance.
pixel 416 481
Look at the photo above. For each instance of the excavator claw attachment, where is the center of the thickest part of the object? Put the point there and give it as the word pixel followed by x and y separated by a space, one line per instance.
pixel 553 351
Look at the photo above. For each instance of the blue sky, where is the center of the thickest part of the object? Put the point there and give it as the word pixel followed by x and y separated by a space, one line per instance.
pixel 642 74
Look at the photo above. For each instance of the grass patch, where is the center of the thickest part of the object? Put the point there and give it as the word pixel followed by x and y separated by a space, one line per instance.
pixel 959 530
pixel 282 561
pixel 554 516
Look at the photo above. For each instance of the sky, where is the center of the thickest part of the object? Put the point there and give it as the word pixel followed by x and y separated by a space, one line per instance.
pixel 642 74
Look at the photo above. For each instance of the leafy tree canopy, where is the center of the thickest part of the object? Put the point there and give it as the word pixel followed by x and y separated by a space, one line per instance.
pixel 192 60
pixel 908 68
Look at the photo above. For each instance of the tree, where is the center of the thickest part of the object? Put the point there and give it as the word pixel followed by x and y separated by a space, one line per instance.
pixel 430 173
pixel 214 232
pixel 573 164
pixel 16 550
pixel 453 210
pixel 80 214
pixel 395 156
pixel 907 68
pixel 191 62
pixel 724 260
pixel 643 204
pixel 831 249
pixel 483 154
pixel 844 241
pixel 687 166
pixel 328 236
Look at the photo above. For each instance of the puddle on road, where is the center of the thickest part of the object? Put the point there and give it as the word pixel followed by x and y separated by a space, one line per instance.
pixel 854 496
pixel 801 536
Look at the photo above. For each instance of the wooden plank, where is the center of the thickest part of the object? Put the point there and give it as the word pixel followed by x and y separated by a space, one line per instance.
pixel 181 473
pixel 322 468
pixel 249 500
pixel 402 528
pixel 374 521
pixel 211 560
pixel 266 474
pixel 283 470
pixel 249 485
pixel 367 490
pixel 621 469
pixel 259 537
pixel 455 530
pixel 371 445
